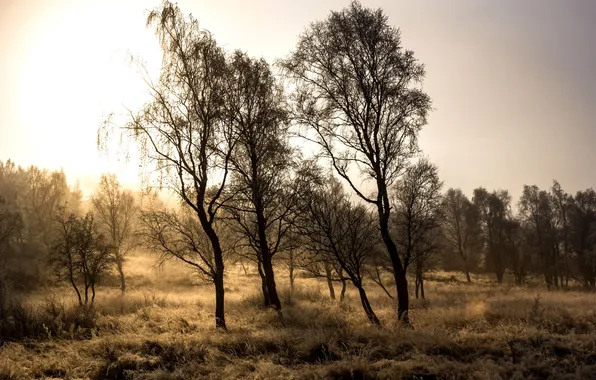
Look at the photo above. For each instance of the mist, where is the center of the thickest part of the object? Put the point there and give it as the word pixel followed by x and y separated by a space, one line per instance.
pixel 313 210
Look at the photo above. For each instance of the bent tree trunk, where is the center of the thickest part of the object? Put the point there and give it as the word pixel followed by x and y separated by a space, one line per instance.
pixel 370 314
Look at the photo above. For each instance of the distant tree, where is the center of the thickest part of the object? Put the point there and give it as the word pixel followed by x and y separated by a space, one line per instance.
pixel 46 194
pixel 495 212
pixel 562 204
pixel 536 211
pixel 115 210
pixel 10 225
pixel 339 233
pixel 517 250
pixel 462 228
pixel 425 258
pixel 582 221
pixel 260 164
pixel 359 92
pixel 184 132
pixel 80 255
pixel 418 218
pixel 35 195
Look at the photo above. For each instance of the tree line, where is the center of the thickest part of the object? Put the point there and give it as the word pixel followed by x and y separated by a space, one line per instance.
pixel 228 134
pixel 48 235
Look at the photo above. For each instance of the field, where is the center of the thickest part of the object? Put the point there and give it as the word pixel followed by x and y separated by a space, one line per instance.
pixel 164 329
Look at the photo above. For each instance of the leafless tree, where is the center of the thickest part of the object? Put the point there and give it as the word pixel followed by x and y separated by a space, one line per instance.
pixel 562 208
pixel 358 91
pixel 583 235
pixel 339 233
pixel 80 254
pixel 418 217
pixel 183 131
pixel 260 163
pixel 462 229
pixel 495 215
pixel 537 213
pixel 179 235
pixel 115 209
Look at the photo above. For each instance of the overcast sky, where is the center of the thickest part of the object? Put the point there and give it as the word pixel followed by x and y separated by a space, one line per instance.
pixel 512 82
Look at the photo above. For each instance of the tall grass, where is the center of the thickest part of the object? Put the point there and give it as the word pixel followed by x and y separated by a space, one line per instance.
pixel 479 330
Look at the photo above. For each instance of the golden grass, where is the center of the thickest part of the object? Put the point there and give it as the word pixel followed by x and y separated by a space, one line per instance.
pixel 467 331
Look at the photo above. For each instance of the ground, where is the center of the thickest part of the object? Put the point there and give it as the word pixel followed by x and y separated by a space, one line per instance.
pixel 164 329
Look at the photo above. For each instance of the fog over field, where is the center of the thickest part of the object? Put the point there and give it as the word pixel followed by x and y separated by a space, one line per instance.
pixel 337 190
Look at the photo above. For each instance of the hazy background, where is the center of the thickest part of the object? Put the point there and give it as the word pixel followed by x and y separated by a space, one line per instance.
pixel 512 82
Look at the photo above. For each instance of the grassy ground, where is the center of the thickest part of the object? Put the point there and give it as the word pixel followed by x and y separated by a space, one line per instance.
pixel 164 329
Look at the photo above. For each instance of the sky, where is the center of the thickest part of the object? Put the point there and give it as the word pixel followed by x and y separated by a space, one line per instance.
pixel 512 82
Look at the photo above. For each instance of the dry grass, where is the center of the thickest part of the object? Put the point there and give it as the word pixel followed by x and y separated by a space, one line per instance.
pixel 164 329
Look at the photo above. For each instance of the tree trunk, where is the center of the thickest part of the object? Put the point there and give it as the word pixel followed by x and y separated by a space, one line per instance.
pixel 379 281
pixel 74 285
pixel 122 278
pixel 92 293
pixel 403 302
pixel 291 279
pixel 270 280
pixel 266 299
pixel 467 270
pixel 344 285
pixel 329 281
pixel 421 281
pixel 499 271
pixel 401 282
pixel 370 314
pixel 264 250
pixel 218 276
pixel 220 318
pixel 417 286
pixel 86 293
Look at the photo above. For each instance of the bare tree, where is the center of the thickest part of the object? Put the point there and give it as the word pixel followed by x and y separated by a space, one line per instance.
pixel 115 209
pixel 462 229
pixel 358 91
pixel 80 255
pixel 562 204
pixel 260 164
pixel 339 233
pixel 184 131
pixel 10 226
pixel 417 199
pixel 418 218
pixel 495 212
pixel 537 213
pixel 179 235
pixel 583 235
